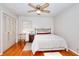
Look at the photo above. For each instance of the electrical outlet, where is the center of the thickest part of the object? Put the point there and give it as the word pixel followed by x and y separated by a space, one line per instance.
pixel 77 50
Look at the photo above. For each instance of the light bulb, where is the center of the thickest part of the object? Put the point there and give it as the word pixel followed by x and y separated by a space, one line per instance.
pixel 38 11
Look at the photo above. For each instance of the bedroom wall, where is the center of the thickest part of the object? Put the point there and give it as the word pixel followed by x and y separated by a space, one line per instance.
pixel 67 26
pixel 0 30
pixel 36 22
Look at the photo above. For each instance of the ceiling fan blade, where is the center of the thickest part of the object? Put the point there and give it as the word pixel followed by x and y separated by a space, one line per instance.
pixel 32 5
pixel 31 11
pixel 44 6
pixel 46 11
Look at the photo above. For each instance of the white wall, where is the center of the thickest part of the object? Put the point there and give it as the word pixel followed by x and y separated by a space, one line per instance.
pixel 0 31
pixel 67 26
pixel 37 22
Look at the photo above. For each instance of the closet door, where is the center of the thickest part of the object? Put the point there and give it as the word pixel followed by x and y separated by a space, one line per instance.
pixel 12 31
pixel 5 31
pixel 9 43
pixel 9 31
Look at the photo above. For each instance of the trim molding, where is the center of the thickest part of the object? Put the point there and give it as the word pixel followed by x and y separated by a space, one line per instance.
pixel 73 51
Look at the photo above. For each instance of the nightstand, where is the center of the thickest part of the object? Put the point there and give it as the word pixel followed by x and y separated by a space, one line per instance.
pixel 31 37
pixel 22 38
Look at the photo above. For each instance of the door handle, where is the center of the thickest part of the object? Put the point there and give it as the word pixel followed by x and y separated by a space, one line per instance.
pixel 8 35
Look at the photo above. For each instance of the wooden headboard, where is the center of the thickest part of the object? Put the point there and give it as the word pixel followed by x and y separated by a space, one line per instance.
pixel 43 30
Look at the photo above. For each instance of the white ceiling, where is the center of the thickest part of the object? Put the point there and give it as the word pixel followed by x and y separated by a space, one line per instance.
pixel 22 8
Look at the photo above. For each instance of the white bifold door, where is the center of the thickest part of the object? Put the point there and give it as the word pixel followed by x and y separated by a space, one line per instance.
pixel 9 31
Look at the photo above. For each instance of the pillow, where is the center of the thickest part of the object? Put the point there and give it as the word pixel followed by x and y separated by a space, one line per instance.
pixel 44 33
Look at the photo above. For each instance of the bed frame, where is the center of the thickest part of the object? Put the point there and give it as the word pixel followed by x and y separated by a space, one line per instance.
pixel 42 30
pixel 47 31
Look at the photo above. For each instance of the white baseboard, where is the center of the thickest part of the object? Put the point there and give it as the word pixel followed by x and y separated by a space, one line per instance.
pixel 74 51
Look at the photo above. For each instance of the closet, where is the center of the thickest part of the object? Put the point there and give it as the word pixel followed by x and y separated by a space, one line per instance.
pixel 9 31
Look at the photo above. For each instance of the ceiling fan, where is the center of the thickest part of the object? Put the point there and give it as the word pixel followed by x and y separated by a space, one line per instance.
pixel 39 8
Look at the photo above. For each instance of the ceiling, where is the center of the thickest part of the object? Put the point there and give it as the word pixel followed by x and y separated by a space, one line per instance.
pixel 22 8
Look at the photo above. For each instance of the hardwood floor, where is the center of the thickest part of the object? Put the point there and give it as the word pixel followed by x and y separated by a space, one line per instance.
pixel 16 50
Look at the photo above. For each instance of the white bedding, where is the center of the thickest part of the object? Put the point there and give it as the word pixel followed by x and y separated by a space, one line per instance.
pixel 48 41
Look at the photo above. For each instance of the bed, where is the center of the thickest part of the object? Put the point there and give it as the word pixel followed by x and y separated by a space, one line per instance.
pixel 44 40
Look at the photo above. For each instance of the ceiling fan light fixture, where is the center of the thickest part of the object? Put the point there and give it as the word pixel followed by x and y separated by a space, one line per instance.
pixel 39 8
pixel 38 11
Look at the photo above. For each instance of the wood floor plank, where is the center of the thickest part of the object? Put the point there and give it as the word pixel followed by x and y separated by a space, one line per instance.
pixel 16 50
